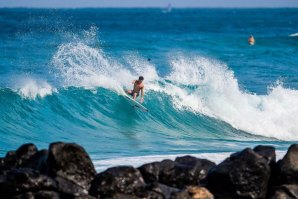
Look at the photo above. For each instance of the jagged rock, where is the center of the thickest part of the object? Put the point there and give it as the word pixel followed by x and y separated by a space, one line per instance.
pixel 25 151
pixel 23 180
pixel 7 163
pixel 160 191
pixel 14 159
pixel 196 172
pixel 287 168
pixel 286 192
pixel 243 175
pixel 38 161
pixel 117 180
pixel 150 171
pixel 69 189
pixel 70 161
pixel 183 171
pixel 38 195
pixel 10 154
pixel 268 152
pixel 125 196
pixel 194 192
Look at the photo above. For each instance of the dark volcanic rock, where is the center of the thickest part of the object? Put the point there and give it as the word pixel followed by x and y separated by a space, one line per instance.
pixel 70 161
pixel 69 189
pixel 121 180
pixel 286 192
pixel 160 191
pixel 25 152
pixel 7 163
pixel 268 152
pixel 38 161
pixel 196 170
pixel 125 196
pixel 287 168
pixel 183 171
pixel 14 159
pixel 193 192
pixel 24 180
pixel 243 175
pixel 150 171
pixel 38 195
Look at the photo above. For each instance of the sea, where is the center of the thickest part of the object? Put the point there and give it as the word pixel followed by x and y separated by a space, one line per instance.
pixel 63 73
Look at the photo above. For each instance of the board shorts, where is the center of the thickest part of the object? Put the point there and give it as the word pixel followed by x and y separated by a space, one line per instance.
pixel 133 93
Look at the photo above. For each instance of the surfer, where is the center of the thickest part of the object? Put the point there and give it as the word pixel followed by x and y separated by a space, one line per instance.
pixel 251 40
pixel 137 87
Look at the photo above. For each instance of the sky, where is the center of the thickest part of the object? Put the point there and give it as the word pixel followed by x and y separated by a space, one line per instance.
pixel 148 3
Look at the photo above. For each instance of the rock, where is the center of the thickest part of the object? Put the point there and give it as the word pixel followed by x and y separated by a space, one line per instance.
pixel 194 192
pixel 70 161
pixel 69 189
pixel 286 192
pixel 38 195
pixel 243 175
pixel 150 171
pixel 25 151
pixel 117 180
pixel 197 170
pixel 125 196
pixel 15 159
pixel 27 195
pixel 160 191
pixel 10 154
pixel 9 161
pixel 268 152
pixel 38 161
pixel 24 180
pixel 183 171
pixel 287 168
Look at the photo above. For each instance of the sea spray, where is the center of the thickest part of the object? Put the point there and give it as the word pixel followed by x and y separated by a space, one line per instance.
pixel 32 88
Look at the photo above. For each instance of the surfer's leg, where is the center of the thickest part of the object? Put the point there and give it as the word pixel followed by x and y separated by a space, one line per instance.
pixel 129 92
pixel 134 95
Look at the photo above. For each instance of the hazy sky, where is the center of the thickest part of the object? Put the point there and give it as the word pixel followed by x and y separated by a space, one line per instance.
pixel 148 3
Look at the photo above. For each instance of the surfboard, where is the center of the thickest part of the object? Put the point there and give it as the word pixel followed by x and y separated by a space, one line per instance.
pixel 135 103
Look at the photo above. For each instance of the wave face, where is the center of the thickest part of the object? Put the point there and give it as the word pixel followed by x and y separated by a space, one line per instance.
pixel 198 103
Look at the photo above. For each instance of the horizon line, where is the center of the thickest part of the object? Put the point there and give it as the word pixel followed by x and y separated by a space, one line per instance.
pixel 148 7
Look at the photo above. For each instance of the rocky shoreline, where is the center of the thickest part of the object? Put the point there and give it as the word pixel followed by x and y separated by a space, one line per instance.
pixel 65 170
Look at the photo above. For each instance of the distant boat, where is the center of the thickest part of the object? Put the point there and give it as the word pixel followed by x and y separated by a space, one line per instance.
pixel 168 9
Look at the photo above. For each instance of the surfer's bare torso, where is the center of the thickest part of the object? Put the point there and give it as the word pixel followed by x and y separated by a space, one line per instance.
pixel 138 86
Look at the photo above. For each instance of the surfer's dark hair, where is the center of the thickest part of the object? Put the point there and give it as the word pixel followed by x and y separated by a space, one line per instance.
pixel 141 78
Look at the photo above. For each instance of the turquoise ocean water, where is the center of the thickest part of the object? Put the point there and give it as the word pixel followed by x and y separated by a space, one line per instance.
pixel 62 74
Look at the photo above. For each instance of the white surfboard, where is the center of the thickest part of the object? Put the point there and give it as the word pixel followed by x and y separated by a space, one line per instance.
pixel 135 103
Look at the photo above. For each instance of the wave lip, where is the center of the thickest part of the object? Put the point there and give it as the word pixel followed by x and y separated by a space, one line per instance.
pixel 193 84
pixel 32 88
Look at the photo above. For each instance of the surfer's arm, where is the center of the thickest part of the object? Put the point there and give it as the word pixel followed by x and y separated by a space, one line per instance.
pixel 142 94
pixel 134 81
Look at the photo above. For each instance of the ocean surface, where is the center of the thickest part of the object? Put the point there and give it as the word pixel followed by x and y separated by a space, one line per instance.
pixel 209 93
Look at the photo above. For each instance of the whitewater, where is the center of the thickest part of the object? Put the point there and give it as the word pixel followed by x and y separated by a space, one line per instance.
pixel 196 84
pixel 205 98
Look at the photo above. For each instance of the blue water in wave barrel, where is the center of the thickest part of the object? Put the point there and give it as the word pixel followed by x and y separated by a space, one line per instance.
pixel 209 93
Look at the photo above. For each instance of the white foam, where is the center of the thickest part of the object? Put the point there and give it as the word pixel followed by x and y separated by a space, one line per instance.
pixel 197 84
pixel 215 92
pixel 32 88
pixel 137 161
pixel 83 66
pixel 293 35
